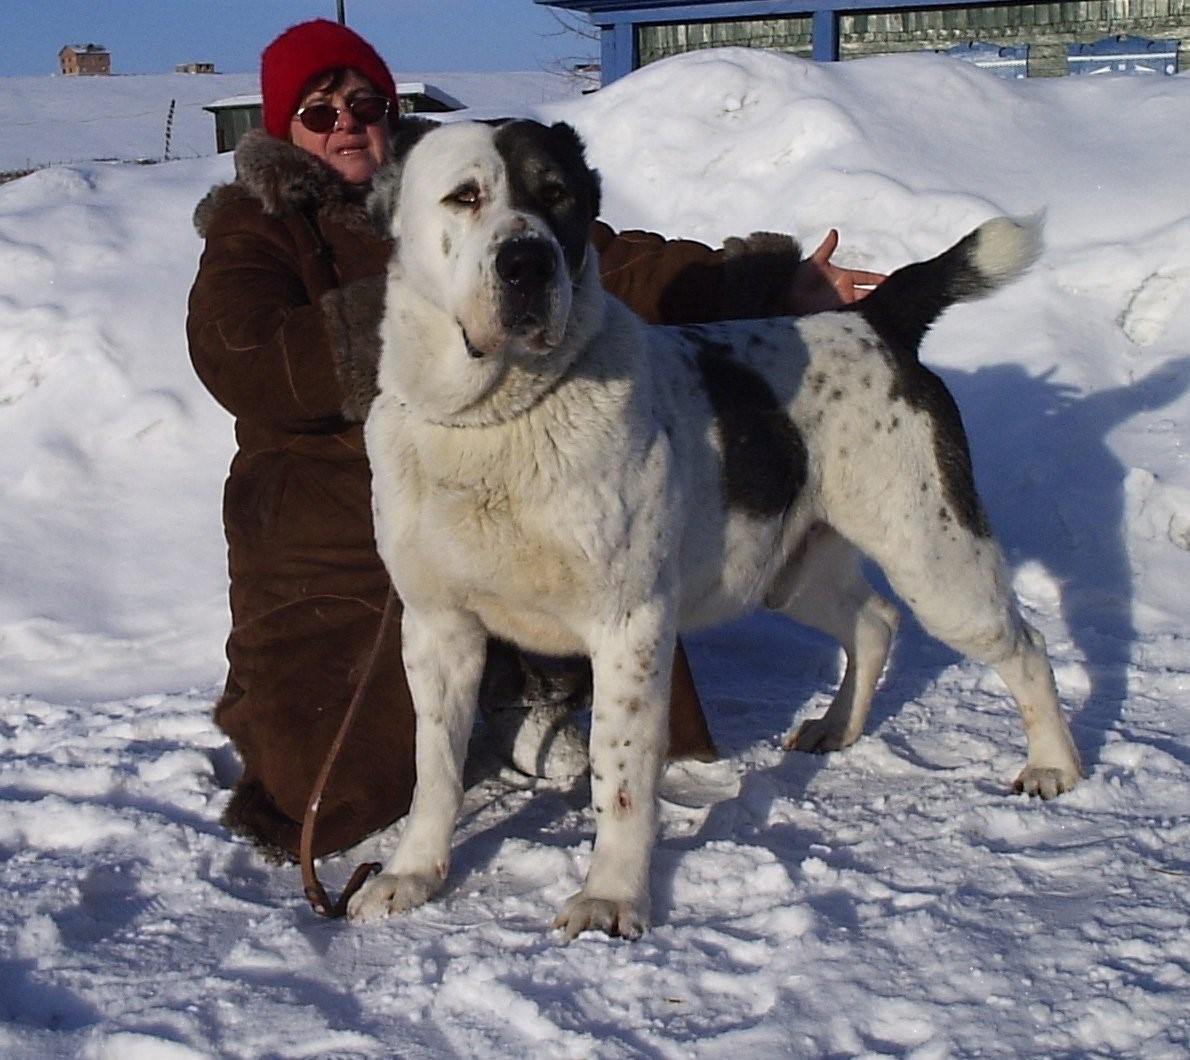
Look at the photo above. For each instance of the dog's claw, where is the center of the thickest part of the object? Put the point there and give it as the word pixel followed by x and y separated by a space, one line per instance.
pixel 386 894
pixel 1045 783
pixel 620 919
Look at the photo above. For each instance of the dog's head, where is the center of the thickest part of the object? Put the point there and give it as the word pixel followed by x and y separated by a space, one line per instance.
pixel 490 224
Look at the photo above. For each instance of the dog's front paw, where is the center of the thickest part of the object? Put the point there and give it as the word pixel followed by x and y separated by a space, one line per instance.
pixel 387 894
pixel 817 736
pixel 1046 782
pixel 620 919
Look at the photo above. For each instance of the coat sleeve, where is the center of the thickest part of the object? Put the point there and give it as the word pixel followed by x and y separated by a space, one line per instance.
pixel 685 282
pixel 255 340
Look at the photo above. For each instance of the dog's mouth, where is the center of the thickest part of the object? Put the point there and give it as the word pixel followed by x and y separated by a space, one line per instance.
pixel 533 337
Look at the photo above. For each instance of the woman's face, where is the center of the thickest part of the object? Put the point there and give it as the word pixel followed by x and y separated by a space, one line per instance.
pixel 352 149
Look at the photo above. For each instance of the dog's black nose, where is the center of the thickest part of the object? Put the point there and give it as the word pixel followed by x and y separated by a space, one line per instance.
pixel 528 262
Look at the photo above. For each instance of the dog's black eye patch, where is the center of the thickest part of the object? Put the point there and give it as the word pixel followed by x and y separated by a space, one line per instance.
pixel 554 193
pixel 548 176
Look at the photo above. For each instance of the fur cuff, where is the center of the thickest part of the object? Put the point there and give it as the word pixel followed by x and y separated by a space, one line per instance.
pixel 352 314
pixel 758 272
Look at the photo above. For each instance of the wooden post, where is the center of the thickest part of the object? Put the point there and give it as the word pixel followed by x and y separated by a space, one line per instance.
pixel 617 51
pixel 824 36
pixel 169 127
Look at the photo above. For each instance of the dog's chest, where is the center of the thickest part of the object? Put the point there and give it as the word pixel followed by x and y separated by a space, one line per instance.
pixel 520 524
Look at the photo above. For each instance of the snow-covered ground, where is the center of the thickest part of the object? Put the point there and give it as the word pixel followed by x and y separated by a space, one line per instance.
pixel 893 899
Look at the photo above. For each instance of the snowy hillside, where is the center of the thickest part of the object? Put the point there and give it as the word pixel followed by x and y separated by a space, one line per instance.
pixel 49 120
pixel 893 899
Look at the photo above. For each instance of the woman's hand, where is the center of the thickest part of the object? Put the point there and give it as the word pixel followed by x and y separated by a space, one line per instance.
pixel 818 285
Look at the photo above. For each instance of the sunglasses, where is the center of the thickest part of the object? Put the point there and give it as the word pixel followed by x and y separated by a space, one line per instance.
pixel 321 117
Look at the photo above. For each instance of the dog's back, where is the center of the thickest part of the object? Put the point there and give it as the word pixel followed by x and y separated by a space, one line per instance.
pixel 781 423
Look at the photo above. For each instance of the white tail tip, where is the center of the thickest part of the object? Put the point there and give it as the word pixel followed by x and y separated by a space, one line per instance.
pixel 1007 247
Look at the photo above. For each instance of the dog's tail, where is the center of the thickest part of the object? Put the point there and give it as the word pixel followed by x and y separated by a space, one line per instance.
pixel 904 306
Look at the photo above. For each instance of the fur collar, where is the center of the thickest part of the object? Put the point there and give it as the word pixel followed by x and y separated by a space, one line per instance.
pixel 284 179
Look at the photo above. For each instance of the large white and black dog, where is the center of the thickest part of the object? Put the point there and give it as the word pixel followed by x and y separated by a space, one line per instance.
pixel 552 471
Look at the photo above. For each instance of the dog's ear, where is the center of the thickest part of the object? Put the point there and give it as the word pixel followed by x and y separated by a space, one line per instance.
pixel 386 184
pixel 406 133
pixel 570 147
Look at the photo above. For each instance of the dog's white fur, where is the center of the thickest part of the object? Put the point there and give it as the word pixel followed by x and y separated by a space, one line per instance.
pixel 564 489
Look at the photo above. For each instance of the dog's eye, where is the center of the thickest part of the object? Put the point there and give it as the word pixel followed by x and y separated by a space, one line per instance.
pixel 466 195
pixel 554 193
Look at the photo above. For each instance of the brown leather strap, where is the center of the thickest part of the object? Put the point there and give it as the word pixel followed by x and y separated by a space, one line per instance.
pixel 315 893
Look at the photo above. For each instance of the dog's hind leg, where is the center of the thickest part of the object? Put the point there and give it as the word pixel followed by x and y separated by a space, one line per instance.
pixel 629 727
pixel 957 586
pixel 444 655
pixel 1016 651
pixel 1053 764
pixel 824 588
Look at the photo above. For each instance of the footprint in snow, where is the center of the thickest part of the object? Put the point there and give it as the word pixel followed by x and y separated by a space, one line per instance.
pixel 1153 305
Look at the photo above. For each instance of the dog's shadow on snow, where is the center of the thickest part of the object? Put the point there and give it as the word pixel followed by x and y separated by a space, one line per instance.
pixel 1056 495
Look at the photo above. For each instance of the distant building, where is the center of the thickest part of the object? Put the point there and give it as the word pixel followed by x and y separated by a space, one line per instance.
pixel 235 116
pixel 83 59
pixel 194 68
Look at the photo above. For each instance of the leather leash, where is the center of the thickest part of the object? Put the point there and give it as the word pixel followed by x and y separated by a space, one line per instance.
pixel 315 893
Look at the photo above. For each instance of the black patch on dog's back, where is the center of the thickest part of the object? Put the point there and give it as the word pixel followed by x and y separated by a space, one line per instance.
pixel 549 176
pixel 900 311
pixel 764 456
pixel 921 389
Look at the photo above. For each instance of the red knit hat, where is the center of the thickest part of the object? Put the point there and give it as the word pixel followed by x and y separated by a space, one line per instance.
pixel 306 50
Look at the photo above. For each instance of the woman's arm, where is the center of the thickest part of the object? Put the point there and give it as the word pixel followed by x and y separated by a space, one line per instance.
pixel 685 282
pixel 257 343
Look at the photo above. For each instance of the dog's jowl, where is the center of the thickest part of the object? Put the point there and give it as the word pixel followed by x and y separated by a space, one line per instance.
pixel 549 470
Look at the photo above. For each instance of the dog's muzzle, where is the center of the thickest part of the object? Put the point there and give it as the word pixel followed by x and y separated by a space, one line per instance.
pixel 527 268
